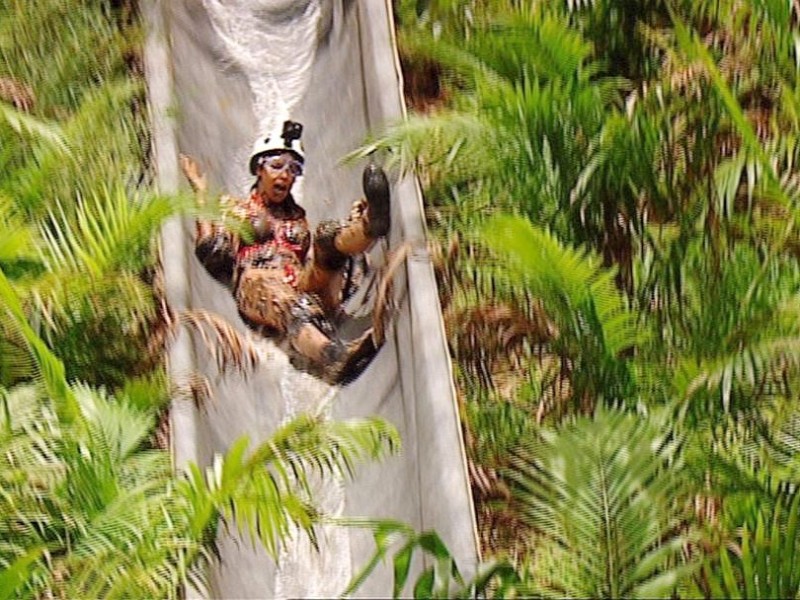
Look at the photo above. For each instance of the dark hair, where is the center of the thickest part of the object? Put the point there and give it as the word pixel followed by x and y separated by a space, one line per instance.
pixel 291 206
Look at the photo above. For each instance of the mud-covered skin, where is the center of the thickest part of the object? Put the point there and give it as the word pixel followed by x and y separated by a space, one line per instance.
pixel 325 252
pixel 264 300
pixel 281 240
pixel 216 252
pixel 341 362
pixel 306 309
pixel 269 305
pixel 272 279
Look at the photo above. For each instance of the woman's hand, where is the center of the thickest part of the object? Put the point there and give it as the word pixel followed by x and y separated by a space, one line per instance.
pixel 191 170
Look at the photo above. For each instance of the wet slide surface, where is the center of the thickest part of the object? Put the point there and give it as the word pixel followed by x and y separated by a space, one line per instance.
pixel 219 73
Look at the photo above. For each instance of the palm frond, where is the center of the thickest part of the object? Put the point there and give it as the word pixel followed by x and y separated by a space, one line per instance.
pixel 228 347
pixel 443 579
pixel 74 311
pixel 781 445
pixel 16 238
pixel 690 45
pixel 537 44
pixel 63 299
pixel 591 315
pixel 148 393
pixel 748 460
pixel 108 232
pixel 65 47
pixel 15 575
pixel 141 538
pixel 23 123
pixel 105 508
pixel 31 471
pixel 263 490
pixel 106 142
pixel 764 562
pixel 600 491
pixel 442 142
pixel 50 367
pixel 17 362
pixel 746 368
pixel 29 441
pixel 458 59
pixel 116 429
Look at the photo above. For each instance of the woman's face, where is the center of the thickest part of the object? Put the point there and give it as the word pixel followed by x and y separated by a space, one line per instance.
pixel 276 175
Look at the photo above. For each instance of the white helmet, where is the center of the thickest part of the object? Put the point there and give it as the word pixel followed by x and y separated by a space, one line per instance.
pixel 285 139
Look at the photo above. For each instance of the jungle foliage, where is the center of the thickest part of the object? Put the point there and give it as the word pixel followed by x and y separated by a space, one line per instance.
pixel 90 503
pixel 614 189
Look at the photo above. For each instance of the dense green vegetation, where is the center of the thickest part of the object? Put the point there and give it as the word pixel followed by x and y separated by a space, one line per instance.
pixel 90 505
pixel 626 338
pixel 621 298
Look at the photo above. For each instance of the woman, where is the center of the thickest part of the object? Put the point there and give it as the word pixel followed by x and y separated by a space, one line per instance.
pixel 275 282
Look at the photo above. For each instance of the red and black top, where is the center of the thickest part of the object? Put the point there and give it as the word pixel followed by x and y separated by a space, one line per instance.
pixel 282 241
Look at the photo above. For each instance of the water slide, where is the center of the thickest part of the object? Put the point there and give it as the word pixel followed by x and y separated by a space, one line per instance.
pixel 219 73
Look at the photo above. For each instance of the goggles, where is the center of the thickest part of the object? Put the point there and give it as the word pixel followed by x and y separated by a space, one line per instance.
pixel 276 164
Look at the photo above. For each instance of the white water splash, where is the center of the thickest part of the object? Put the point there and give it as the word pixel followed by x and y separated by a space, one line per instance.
pixel 274 44
pixel 304 572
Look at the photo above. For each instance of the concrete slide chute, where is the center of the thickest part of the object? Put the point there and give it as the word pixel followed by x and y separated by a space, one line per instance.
pixel 219 73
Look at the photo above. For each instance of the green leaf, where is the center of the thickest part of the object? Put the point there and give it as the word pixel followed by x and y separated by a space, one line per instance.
pixel 402 564
pixel 21 122
pixel 432 543
pixel 51 367
pixel 424 585
pixel 17 573
pixel 747 563
pixel 731 586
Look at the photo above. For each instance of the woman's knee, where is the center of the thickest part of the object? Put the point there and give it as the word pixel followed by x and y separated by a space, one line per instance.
pixel 326 254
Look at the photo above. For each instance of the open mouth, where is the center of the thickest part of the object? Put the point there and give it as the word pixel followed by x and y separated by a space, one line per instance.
pixel 280 188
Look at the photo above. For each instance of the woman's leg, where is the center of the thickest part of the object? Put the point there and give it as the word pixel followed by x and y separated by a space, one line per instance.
pixel 315 339
pixel 334 241
pixel 265 300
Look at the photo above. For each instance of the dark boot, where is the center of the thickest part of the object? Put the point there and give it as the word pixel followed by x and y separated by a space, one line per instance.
pixel 318 349
pixel 370 219
pixel 350 360
pixel 335 241
pixel 376 190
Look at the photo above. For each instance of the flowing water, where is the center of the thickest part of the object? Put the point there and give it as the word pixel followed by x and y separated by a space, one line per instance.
pixel 273 42
pixel 302 571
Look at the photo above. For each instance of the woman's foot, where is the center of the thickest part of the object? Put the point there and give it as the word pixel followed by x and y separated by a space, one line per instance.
pixel 332 360
pixel 318 349
pixel 376 190
pixel 356 358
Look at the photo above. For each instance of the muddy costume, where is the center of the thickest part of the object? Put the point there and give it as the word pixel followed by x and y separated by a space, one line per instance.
pixel 279 282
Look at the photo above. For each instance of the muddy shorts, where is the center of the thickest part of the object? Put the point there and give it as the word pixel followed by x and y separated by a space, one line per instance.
pixel 266 300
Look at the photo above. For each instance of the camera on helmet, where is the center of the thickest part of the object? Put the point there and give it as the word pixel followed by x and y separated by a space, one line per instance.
pixel 292 130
